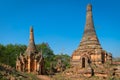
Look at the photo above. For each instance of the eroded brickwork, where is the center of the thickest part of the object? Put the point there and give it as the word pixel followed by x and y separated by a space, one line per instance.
pixel 31 61
pixel 89 59
pixel 89 50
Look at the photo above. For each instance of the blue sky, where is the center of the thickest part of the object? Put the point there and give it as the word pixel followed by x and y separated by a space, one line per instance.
pixel 60 23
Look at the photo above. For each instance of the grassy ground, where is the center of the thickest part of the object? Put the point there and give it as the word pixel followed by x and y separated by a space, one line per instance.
pixel 8 73
pixel 60 76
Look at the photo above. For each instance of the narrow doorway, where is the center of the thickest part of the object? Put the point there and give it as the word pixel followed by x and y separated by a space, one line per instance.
pixel 83 62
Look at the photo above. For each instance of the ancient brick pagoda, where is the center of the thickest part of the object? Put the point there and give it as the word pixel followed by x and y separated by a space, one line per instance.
pixel 89 58
pixel 31 61
pixel 89 50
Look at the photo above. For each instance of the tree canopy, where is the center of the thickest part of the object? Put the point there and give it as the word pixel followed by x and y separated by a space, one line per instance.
pixel 8 53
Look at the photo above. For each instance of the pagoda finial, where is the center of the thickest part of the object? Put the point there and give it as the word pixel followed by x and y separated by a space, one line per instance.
pixel 31 28
pixel 31 34
pixel 89 7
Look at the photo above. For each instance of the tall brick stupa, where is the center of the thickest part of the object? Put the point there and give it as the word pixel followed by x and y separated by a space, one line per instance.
pixel 89 57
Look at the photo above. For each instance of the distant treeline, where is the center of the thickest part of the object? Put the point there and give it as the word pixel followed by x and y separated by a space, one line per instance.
pixel 116 59
pixel 9 53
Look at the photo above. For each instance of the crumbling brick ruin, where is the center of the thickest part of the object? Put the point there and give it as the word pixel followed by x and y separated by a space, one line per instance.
pixel 31 61
pixel 89 59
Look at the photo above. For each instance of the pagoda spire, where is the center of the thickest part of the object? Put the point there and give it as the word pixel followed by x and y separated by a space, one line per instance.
pixel 89 26
pixel 31 35
pixel 31 47
pixel 89 38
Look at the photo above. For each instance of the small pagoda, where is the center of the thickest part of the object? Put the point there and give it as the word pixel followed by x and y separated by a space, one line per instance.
pixel 31 60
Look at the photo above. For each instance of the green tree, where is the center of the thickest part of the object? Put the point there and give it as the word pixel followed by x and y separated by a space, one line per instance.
pixel 13 51
pixel 2 53
pixel 65 58
pixel 8 53
pixel 116 59
pixel 47 54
